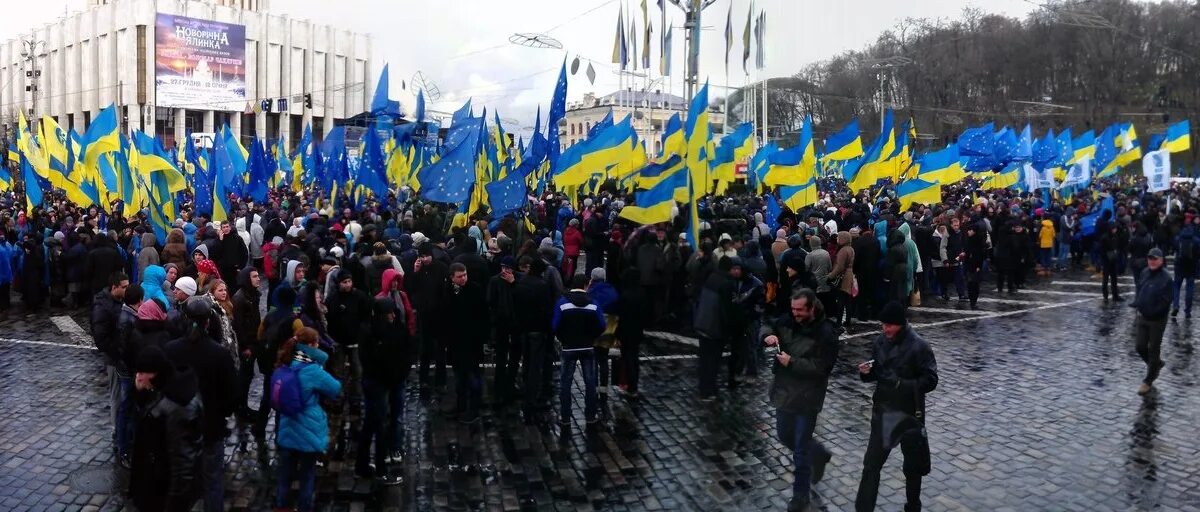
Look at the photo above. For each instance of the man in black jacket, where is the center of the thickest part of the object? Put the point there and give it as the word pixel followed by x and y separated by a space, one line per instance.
pixel 167 451
pixel 904 370
pixel 218 390
pixel 1153 303
pixel 424 289
pixel 808 348
pixel 464 299
pixel 106 310
pixel 504 332
pixel 349 319
pixel 246 318
pixel 867 254
pixel 533 319
pixel 232 255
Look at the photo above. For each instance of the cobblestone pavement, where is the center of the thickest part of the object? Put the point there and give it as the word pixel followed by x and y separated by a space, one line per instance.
pixel 1036 410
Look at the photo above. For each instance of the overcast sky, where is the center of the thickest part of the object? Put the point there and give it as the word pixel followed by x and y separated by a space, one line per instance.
pixel 462 45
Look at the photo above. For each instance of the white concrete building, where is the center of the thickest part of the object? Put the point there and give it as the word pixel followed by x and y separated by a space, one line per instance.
pixel 75 66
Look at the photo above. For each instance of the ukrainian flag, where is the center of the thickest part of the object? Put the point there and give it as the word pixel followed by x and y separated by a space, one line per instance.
pixel 697 132
pixel 655 205
pixel 864 172
pixel 846 144
pixel 942 166
pixel 1010 176
pixel 1127 143
pixel 794 166
pixel 1179 137
pixel 1084 146
pixel 595 155
pixel 102 137
pixel 673 140
pixel 799 196
pixel 917 191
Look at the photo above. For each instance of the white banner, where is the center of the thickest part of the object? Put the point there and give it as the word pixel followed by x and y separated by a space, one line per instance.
pixel 1156 166
pixel 1032 177
pixel 1079 174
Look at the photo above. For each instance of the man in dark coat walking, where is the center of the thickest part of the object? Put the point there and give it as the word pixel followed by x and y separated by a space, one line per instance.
pixel 246 319
pixel 866 269
pixel 904 370
pixel 231 256
pixel 464 299
pixel 808 348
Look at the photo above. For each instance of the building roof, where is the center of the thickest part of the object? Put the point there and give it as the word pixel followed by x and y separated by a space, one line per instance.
pixel 631 98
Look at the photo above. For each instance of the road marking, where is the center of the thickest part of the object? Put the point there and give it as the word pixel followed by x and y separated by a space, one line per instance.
pixel 1056 292
pixel 71 328
pixel 1077 283
pixel 982 317
pixel 951 311
pixel 47 343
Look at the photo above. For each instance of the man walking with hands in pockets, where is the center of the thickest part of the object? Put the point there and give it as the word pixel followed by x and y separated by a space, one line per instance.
pixel 904 370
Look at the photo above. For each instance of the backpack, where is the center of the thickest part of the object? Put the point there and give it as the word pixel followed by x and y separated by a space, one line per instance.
pixel 286 395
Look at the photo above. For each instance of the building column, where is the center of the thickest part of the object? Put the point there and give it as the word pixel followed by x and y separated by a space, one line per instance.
pixel 180 124
pixel 235 124
pixel 209 121
pixel 285 128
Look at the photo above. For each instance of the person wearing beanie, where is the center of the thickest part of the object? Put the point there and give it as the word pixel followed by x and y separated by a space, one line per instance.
pixel 904 370
pixel 714 305
pixel 169 424
pixel 217 379
pixel 603 295
pixel 808 348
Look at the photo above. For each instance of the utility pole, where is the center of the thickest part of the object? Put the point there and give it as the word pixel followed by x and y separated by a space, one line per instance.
pixel 691 25
pixel 32 73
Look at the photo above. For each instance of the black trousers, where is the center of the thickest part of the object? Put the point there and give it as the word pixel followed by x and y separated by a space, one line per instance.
pixel 508 362
pixel 631 347
pixel 1148 337
pixel 433 351
pixel 536 373
pixel 264 407
pixel 1109 278
pixel 877 454
pixel 1004 274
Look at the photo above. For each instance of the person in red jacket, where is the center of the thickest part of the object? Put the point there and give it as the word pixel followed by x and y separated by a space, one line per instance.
pixel 572 243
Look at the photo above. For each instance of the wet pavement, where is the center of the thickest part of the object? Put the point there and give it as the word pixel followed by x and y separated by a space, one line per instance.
pixel 1036 410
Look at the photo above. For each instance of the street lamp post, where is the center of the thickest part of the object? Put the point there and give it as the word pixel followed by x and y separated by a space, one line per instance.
pixel 32 73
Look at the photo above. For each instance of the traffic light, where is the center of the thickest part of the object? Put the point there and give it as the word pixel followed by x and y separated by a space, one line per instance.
pixel 307 100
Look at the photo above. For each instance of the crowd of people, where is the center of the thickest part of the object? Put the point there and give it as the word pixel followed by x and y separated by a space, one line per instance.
pixel 332 307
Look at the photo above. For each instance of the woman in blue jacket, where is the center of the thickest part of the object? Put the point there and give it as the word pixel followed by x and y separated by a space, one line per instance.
pixel 304 436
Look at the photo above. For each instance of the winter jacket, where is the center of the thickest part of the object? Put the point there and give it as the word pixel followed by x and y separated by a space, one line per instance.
pixel 165 472
pixel 8 254
pixel 146 333
pixel 176 249
pixel 424 289
pixel 1046 235
pixel 905 370
pixel 308 431
pixel 105 312
pixel 153 278
pixel 405 314
pixel 577 321
pixel 246 316
pixel 866 260
pixel 603 295
pixel 501 304
pixel 1186 267
pixel 651 261
pixel 147 255
pixel 800 386
pixel 572 241
pixel 102 261
pixel 896 265
pixel 820 266
pixel 1154 294
pixel 349 316
pixel 536 298
pixel 387 353
pixel 714 306
pixel 376 267
pixel 233 256
pixel 843 263
pixel 216 375
pixel 464 309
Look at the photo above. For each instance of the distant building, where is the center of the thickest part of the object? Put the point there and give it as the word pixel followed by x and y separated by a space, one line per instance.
pixel 174 66
pixel 650 111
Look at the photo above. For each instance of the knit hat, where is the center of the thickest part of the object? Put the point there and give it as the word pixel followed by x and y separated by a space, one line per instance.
pixel 151 310
pixel 419 238
pixel 598 274
pixel 344 275
pixel 893 314
pixel 186 285
pixel 208 267
pixel 508 261
pixel 152 359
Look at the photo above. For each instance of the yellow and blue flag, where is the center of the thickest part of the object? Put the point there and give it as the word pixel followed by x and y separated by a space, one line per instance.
pixel 846 144
pixel 942 166
pixel 655 205
pixel 1083 147
pixel 918 191
pixel 1179 137
pixel 799 196
pixel 697 132
pixel 796 165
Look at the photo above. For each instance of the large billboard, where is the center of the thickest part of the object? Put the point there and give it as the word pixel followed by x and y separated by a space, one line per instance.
pixel 199 64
